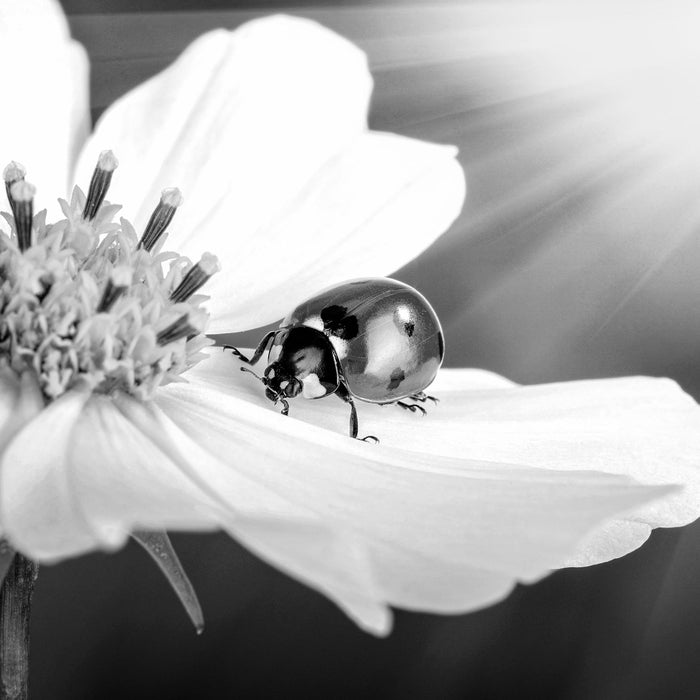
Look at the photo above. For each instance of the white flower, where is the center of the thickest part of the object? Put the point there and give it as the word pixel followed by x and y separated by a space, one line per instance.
pixel 264 130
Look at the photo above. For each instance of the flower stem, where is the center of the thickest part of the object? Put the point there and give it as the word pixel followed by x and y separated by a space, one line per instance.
pixel 15 607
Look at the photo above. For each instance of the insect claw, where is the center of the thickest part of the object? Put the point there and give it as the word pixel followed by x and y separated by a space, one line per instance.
pixel 370 438
pixel 423 397
pixel 412 407
pixel 285 410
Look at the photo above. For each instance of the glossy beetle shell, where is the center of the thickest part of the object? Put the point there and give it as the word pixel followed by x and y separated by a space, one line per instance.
pixel 386 335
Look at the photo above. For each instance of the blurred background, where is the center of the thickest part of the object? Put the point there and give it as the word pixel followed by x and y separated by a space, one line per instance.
pixel 577 255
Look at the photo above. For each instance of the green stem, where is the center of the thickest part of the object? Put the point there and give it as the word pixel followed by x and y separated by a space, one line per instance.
pixel 15 608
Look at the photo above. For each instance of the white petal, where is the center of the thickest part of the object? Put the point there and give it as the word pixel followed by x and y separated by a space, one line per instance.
pixel 137 483
pixel 289 535
pixel 20 402
pixel 45 112
pixel 642 427
pixel 367 212
pixel 40 514
pixel 82 476
pixel 418 530
pixel 613 539
pixel 363 577
pixel 315 550
pixel 264 131
pixel 239 123
pixel 330 561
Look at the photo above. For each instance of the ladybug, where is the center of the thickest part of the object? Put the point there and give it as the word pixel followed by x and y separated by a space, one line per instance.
pixel 376 340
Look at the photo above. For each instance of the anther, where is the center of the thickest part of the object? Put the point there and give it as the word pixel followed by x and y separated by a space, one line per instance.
pixel 22 202
pixel 99 184
pixel 161 217
pixel 13 172
pixel 117 284
pixel 195 278
pixel 187 326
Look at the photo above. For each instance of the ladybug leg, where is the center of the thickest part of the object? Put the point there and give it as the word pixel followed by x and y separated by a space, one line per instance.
pixel 343 393
pixel 423 397
pixel 262 346
pixel 354 427
pixel 412 407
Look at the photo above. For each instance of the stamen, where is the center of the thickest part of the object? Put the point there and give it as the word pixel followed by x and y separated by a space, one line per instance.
pixel 13 172
pixel 81 307
pixel 170 200
pixel 99 184
pixel 117 284
pixel 22 202
pixel 186 326
pixel 196 277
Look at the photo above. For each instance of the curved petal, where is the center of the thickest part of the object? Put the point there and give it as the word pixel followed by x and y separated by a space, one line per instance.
pixel 45 116
pixel 368 211
pixel 332 562
pixel 81 476
pixel 239 123
pixel 312 548
pixel 363 577
pixel 20 402
pixel 39 511
pixel 407 527
pixel 264 131
pixel 611 540
pixel 642 427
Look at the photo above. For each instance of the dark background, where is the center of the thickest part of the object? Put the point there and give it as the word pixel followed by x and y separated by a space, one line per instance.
pixel 570 260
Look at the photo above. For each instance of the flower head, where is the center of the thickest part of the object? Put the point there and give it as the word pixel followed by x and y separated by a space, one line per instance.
pixel 264 129
pixel 86 304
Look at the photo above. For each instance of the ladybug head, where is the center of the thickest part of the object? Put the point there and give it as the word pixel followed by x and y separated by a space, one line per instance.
pixel 280 385
pixel 280 382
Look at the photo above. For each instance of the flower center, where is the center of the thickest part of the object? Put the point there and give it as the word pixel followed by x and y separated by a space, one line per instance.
pixel 86 303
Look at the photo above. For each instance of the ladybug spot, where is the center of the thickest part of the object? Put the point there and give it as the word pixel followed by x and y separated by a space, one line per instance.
pixel 333 313
pixel 409 327
pixel 396 377
pixel 335 322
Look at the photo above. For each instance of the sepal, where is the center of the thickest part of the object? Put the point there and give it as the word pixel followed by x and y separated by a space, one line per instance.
pixel 158 545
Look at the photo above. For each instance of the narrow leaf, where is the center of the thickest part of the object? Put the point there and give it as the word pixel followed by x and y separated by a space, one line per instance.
pixel 158 545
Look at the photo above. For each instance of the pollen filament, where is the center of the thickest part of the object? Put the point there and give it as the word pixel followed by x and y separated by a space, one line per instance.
pixel 84 303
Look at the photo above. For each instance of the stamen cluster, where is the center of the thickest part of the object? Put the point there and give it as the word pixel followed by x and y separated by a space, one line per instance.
pixel 87 303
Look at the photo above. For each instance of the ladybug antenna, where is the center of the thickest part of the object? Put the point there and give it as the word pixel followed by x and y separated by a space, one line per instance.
pixel 250 371
pixel 276 394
